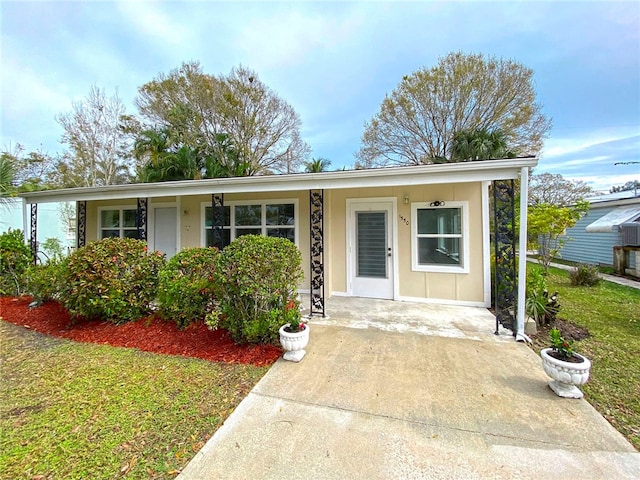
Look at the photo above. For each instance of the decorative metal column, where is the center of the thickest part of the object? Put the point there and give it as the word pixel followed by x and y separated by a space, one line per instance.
pixel 33 240
pixel 81 224
pixel 505 279
pixel 316 224
pixel 217 220
pixel 141 220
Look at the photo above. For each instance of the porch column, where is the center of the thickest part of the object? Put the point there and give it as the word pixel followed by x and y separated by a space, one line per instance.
pixel 141 220
pixel 217 220
pixel 316 226
pixel 522 253
pixel 81 224
pixel 33 240
pixel 505 283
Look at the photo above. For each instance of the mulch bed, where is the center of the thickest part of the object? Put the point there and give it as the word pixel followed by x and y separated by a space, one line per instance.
pixel 149 334
pixel 568 330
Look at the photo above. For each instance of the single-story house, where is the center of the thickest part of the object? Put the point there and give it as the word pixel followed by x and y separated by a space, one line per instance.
pixel 611 225
pixel 56 221
pixel 415 233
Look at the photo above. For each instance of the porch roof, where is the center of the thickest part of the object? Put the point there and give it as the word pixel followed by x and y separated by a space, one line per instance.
pixel 486 170
pixel 611 221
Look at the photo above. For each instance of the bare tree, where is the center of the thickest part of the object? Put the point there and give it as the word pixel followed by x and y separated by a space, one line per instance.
pixel 554 189
pixel 99 145
pixel 419 119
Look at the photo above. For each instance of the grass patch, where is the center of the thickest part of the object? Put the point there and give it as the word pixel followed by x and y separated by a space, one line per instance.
pixel 74 410
pixel 611 313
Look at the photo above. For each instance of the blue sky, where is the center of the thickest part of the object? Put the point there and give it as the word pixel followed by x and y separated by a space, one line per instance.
pixel 334 62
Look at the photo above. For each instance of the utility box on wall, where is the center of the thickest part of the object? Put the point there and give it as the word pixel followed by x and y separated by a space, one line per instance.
pixel 631 234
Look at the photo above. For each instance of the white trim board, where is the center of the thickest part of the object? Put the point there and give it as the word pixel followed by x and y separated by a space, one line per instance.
pixel 377 177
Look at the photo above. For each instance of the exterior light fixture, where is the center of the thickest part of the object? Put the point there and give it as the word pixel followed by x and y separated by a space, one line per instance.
pixel 406 199
pixel 437 203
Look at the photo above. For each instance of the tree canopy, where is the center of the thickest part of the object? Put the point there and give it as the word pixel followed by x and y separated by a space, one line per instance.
pixel 630 185
pixel 554 189
pixel 99 144
pixel 198 110
pixel 418 121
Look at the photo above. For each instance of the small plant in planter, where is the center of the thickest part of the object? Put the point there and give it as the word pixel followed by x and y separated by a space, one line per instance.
pixel 567 368
pixel 294 334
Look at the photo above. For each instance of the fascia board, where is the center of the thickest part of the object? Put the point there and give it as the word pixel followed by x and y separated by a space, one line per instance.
pixel 381 177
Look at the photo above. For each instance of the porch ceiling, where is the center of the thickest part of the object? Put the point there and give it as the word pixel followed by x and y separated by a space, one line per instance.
pixel 486 170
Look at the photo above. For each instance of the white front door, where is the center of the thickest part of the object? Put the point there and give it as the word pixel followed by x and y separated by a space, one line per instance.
pixel 370 248
pixel 165 234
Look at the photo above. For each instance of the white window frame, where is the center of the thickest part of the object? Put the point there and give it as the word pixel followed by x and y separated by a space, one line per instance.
pixel 463 267
pixel 263 228
pixel 121 209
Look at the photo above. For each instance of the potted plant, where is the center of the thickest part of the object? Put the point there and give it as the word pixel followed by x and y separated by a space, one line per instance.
pixel 294 334
pixel 567 368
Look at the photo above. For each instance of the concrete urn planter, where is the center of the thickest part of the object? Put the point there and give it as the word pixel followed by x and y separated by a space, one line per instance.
pixel 294 343
pixel 567 376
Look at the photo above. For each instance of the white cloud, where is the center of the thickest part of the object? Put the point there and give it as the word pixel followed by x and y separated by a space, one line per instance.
pixel 561 146
pixel 151 22
pixel 285 39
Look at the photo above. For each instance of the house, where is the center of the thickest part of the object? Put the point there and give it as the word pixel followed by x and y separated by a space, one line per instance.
pixel 611 225
pixel 416 233
pixel 56 221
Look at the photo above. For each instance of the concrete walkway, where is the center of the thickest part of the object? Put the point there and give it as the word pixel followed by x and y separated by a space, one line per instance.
pixel 377 404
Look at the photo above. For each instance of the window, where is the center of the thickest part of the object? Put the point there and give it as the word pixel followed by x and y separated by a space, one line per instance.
pixel 118 222
pixel 274 218
pixel 439 238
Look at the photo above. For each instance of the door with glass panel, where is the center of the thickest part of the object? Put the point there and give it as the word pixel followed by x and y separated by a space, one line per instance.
pixel 370 249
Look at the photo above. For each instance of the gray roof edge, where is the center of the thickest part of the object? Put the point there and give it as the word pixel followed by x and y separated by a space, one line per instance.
pixel 387 176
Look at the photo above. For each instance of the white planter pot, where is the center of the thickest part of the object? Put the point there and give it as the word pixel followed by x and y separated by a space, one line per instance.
pixel 567 376
pixel 294 343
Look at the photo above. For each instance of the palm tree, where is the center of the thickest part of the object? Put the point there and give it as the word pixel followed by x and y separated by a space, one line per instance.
pixel 482 144
pixel 317 165
pixel 8 170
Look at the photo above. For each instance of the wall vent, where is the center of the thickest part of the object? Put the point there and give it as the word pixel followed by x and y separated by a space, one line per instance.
pixel 631 234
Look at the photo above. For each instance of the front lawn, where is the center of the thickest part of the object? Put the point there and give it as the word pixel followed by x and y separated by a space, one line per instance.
pixel 611 313
pixel 75 411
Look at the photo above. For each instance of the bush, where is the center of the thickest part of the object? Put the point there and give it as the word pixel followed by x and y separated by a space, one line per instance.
pixel 46 282
pixel 15 259
pixel 539 305
pixel 584 275
pixel 114 279
pixel 257 276
pixel 186 290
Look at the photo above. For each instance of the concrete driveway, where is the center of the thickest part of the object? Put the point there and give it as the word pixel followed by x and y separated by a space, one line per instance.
pixel 372 403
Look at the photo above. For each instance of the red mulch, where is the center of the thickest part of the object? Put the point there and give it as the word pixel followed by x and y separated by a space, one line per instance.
pixel 149 334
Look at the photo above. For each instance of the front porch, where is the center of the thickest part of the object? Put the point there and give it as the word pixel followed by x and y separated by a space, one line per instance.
pixel 452 321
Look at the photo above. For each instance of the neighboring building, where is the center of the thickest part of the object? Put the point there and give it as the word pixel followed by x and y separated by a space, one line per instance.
pixel 594 236
pixel 52 222
pixel 416 233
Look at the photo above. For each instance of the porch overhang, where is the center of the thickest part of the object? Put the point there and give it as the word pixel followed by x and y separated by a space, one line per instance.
pixel 477 171
pixel 612 221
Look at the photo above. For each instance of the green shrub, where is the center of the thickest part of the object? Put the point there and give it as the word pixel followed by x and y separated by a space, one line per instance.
pixel 584 275
pixel 113 279
pixel 186 289
pixel 46 282
pixel 15 259
pixel 539 305
pixel 257 276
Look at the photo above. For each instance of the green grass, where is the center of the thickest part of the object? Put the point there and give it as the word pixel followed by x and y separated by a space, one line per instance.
pixel 73 410
pixel 611 313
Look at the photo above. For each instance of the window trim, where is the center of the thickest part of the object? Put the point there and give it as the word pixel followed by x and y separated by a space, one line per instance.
pixel 264 226
pixel 464 238
pixel 120 208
